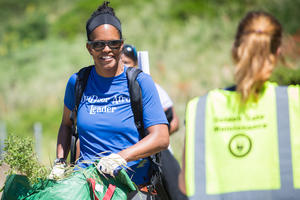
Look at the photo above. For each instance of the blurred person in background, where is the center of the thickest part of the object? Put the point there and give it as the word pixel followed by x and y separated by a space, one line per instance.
pixel 129 58
pixel 243 142
pixel 105 120
pixel 170 167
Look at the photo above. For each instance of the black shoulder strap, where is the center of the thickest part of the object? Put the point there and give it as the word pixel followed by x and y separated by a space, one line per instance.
pixel 135 94
pixel 81 81
pixel 80 84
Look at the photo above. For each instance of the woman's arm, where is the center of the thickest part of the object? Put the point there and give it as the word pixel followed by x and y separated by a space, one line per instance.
pixel 64 135
pixel 155 141
pixel 155 121
pixel 174 123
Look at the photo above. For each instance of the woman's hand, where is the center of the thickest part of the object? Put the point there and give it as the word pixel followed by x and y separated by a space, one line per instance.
pixel 110 163
pixel 58 169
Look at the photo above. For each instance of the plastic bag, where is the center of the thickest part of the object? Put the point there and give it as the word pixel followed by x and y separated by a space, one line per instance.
pixel 83 184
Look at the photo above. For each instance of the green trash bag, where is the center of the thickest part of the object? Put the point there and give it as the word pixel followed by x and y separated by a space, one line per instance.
pixel 83 184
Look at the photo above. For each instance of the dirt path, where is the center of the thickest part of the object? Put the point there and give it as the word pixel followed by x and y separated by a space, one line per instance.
pixel 4 168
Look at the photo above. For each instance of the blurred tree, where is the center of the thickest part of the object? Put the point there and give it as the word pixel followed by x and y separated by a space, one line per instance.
pixel 286 76
pixel 286 11
pixel 15 9
pixel 73 21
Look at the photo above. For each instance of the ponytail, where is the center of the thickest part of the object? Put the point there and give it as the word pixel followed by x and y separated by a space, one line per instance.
pixel 254 52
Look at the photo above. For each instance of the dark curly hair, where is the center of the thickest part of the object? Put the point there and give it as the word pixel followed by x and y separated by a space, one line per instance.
pixel 104 9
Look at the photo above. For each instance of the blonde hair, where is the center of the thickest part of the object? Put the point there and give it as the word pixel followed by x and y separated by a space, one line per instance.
pixel 254 51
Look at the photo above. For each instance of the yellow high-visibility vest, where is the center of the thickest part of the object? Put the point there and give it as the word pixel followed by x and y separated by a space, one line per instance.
pixel 243 152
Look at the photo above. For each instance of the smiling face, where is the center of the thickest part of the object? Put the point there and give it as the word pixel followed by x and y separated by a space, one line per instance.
pixel 107 59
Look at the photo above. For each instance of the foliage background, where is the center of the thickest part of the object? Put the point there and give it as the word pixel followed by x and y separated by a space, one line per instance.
pixel 42 43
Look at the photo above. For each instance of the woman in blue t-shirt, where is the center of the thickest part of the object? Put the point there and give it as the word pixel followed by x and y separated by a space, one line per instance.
pixel 105 121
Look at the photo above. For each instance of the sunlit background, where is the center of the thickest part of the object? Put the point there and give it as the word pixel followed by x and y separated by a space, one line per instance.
pixel 189 43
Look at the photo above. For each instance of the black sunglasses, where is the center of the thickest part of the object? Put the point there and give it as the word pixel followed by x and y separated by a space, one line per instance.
pixel 99 45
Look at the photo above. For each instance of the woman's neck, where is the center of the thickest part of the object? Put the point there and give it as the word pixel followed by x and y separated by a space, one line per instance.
pixel 111 72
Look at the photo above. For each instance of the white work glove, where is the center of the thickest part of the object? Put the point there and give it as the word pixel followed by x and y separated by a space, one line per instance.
pixel 109 164
pixel 57 171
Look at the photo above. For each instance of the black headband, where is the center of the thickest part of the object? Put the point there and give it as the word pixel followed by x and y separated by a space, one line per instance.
pixel 100 20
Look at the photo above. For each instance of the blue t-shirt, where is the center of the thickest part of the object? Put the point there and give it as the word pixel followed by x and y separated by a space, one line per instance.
pixel 105 120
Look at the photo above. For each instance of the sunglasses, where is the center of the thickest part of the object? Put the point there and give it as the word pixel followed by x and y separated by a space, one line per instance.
pixel 99 45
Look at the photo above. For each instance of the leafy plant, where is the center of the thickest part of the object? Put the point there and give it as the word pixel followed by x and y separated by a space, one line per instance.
pixel 20 157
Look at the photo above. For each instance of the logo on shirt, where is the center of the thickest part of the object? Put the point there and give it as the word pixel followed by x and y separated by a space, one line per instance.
pixel 104 105
pixel 94 99
pixel 240 145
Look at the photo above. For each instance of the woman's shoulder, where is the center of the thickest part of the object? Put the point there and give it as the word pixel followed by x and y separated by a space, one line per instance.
pixel 72 79
pixel 74 76
pixel 144 79
pixel 231 88
pixel 222 94
pixel 225 91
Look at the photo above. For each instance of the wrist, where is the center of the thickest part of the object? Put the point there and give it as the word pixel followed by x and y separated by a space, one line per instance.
pixel 59 161
pixel 123 155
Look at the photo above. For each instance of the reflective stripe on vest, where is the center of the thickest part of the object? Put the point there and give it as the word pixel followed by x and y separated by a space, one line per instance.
pixel 196 173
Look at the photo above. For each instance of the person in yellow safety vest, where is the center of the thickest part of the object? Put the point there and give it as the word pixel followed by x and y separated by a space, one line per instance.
pixel 244 143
